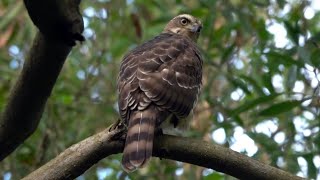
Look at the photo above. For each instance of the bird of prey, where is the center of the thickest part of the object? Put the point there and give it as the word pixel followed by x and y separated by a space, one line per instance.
pixel 158 81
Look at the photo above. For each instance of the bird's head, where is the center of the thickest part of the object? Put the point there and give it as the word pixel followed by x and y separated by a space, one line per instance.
pixel 185 25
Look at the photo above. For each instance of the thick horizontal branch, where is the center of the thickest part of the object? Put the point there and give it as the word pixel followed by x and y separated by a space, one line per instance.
pixel 216 157
pixel 40 71
pixel 75 160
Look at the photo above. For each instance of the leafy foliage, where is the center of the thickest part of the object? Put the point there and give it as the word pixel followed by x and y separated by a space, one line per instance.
pixel 260 85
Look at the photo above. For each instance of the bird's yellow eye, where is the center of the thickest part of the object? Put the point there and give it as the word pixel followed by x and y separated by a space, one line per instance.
pixel 184 21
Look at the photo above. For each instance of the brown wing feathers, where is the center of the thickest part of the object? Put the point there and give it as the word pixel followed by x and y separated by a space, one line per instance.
pixel 154 82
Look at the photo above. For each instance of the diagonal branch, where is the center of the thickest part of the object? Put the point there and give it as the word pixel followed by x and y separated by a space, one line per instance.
pixel 75 160
pixel 30 93
pixel 40 70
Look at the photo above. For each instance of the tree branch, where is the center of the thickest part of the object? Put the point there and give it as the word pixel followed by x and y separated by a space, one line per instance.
pixel 40 71
pixel 75 160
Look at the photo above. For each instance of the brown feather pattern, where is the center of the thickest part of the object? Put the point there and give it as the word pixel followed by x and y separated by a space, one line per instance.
pixel 159 78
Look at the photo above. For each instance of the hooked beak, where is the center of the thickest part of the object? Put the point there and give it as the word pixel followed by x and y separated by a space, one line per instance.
pixel 196 28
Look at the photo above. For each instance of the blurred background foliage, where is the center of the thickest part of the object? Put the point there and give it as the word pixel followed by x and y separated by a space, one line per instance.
pixel 261 82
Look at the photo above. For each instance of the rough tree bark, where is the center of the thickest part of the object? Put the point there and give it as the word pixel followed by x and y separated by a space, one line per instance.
pixel 75 160
pixel 42 66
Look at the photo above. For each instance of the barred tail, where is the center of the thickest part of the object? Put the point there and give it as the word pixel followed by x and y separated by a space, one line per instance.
pixel 139 141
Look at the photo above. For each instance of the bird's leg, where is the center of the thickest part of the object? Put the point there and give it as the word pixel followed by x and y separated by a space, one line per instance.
pixel 159 132
pixel 174 120
pixel 113 126
pixel 120 128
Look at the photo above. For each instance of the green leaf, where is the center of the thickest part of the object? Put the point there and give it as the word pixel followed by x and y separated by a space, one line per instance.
pixel 279 108
pixel 315 58
pixel 291 78
pixel 293 31
pixel 312 170
pixel 254 103
pixel 281 3
pixel 262 32
pixel 261 3
pixel 265 141
pixel 214 176
pixel 267 81
pixel 239 83
pixel 238 120
pixel 201 12
pixel 12 13
pixel 286 60
pixel 226 54
pixel 292 163
pixel 254 83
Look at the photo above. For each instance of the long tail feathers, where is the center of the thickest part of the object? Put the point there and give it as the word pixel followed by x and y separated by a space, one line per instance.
pixel 139 141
